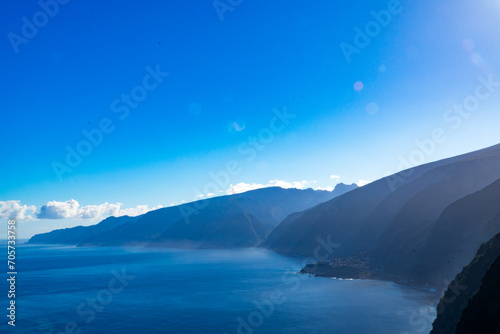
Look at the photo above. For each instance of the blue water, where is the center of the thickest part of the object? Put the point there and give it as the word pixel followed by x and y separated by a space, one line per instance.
pixel 67 290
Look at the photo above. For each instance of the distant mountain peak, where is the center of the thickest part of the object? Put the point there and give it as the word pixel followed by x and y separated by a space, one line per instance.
pixel 345 187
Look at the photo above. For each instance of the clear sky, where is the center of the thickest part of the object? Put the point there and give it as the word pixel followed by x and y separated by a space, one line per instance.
pixel 259 93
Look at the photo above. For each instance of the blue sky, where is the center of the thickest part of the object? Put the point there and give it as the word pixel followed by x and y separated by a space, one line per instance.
pixel 227 80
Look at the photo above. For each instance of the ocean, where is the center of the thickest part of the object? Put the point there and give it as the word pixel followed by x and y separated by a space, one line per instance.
pixel 61 289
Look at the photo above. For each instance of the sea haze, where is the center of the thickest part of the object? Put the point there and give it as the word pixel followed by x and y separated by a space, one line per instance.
pixel 202 291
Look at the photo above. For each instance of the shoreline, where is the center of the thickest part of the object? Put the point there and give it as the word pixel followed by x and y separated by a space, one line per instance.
pixel 345 272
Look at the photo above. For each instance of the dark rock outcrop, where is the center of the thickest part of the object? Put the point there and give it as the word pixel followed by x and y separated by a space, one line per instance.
pixel 471 300
pixel 482 314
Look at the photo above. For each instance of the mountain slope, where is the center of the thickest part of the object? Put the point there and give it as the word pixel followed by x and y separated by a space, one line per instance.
pixel 450 242
pixel 392 224
pixel 72 236
pixel 482 314
pixel 240 220
pixel 478 275
pixel 359 219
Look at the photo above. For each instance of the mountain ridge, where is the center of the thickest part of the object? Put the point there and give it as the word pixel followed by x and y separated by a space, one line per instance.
pixel 391 226
pixel 252 214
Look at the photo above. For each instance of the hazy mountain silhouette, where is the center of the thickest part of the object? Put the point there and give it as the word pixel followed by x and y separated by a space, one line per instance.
pixel 240 220
pixel 398 221
pixel 441 249
pixel 421 225
pixel 74 235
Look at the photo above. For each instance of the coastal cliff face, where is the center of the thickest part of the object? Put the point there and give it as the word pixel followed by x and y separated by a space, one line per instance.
pixel 471 304
pixel 482 314
pixel 435 259
pixel 423 231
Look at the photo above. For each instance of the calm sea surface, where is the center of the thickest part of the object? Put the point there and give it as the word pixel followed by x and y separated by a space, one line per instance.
pixel 126 290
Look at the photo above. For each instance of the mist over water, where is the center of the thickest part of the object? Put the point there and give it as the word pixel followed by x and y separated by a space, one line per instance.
pixel 131 290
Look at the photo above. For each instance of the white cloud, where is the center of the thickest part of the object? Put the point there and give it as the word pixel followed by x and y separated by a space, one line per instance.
pixel 175 203
pixel 14 210
pixel 200 196
pixel 138 210
pixel 72 209
pixel 68 210
pixel 334 177
pixel 94 211
pixel 363 183
pixel 59 210
pixel 287 185
pixel 243 187
pixel 325 188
